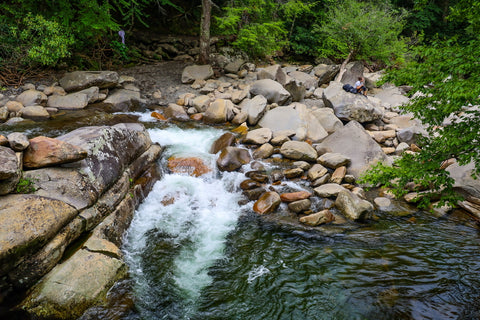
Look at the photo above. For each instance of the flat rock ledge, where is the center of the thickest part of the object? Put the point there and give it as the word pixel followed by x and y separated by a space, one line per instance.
pixel 96 196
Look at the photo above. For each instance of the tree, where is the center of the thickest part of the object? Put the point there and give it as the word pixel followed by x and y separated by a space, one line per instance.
pixel 446 74
pixel 205 32
pixel 362 30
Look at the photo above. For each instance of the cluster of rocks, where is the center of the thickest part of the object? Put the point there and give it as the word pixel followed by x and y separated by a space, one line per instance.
pixel 300 103
pixel 75 91
pixel 86 182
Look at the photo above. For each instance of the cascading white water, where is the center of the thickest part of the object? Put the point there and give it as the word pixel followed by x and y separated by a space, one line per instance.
pixel 197 213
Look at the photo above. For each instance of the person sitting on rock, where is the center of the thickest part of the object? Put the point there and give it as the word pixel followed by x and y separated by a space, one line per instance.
pixel 360 86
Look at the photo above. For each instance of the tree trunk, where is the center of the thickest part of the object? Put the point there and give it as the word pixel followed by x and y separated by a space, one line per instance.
pixel 204 57
pixel 343 67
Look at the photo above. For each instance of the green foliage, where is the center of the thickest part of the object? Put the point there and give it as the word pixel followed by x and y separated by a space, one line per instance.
pixel 44 41
pixel 257 27
pixel 446 74
pixel 25 185
pixel 259 40
pixel 366 30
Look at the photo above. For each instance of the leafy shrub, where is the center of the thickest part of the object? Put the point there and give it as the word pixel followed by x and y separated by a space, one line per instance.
pixel 44 41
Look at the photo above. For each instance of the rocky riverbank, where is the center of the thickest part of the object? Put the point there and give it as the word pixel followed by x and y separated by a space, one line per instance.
pixel 86 184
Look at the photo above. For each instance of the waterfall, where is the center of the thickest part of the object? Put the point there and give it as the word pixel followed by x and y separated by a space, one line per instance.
pixel 189 217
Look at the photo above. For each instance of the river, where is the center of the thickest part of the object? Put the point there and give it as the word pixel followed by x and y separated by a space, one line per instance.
pixel 195 253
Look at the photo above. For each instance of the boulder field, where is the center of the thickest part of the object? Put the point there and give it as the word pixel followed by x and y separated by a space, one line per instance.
pixel 82 188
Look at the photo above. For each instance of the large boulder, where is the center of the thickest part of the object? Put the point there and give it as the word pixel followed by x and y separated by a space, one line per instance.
pixel 123 100
pixel 325 72
pixel 298 150
pixel 44 151
pixel 270 89
pixel 295 117
pixel 27 222
pixel 327 119
pixel 110 151
pixel 196 72
pixel 355 143
pixel 464 182
pixel 80 282
pixel 79 80
pixel 304 79
pixel 255 109
pixel 353 207
pixel 353 71
pixel 411 134
pixel 233 158
pixel 348 106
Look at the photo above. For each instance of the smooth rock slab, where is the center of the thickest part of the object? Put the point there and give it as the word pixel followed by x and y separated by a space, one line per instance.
pixel 73 286
pixel 79 80
pixel 27 222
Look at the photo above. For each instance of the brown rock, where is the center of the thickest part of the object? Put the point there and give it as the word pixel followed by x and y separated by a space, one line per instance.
pixel 197 117
pixel 191 166
pixel 293 173
pixel 267 203
pixel 315 219
pixel 27 222
pixel 300 205
pixel 254 194
pixel 295 196
pixel 3 140
pixel 44 151
pixel 249 184
pixel 158 116
pixel 232 158
pixel 226 140
pixel 338 175
pixel 257 176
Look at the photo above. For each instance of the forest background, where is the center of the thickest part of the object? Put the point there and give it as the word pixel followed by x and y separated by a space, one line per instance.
pixel 431 45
